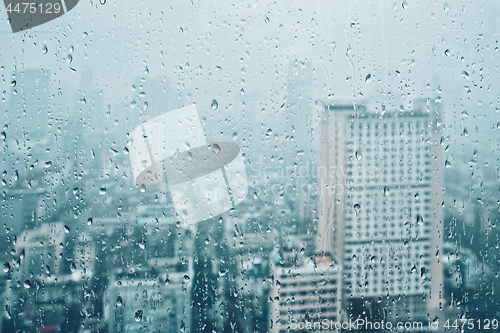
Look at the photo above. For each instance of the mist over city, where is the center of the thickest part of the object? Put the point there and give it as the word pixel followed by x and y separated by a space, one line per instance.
pixel 251 167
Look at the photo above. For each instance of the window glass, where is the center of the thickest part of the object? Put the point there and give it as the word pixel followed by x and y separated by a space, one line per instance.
pixel 249 166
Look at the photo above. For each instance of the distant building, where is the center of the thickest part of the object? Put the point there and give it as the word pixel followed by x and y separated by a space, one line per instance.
pixel 46 285
pixel 149 299
pixel 151 265
pixel 304 294
pixel 254 287
pixel 381 204
pixel 463 271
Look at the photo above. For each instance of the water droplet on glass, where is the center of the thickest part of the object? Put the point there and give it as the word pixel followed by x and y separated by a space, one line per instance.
pixel 69 59
pixel 13 83
pixel 214 104
pixel 66 229
pixel 368 78
pixel 422 272
pixel 3 135
pixel 357 207
pixel 186 278
pixel 6 267
pixel 386 190
pixel 447 52
pixel 119 301
pixel 48 164
pixel 7 312
pixel 358 155
pixel 103 2
pixel 447 163
pixel 138 316
pixel 102 190
pixel 27 284
pixel 235 135
pixel 72 267
pixel 89 221
pixel 215 148
pixel 420 219
pixel 45 49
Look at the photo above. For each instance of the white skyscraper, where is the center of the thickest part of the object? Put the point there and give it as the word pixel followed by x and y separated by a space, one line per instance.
pixel 381 199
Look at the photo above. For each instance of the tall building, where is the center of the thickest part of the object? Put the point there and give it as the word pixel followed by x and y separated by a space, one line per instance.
pixel 381 204
pixel 305 295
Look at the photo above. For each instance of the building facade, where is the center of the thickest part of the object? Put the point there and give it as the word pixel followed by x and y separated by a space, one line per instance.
pixel 305 295
pixel 381 203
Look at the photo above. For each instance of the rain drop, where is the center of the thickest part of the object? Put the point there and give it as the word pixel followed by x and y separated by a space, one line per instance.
pixel 358 155
pixel 215 148
pixel 386 190
pixel 7 312
pixel 420 219
pixel 368 78
pixel 138 316
pixel 214 104
pixel 66 229
pixel 45 49
pixel 6 267
pixel 357 207
pixel 119 301
pixel 27 284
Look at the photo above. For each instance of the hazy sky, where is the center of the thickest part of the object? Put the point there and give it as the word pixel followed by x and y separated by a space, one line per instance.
pixel 382 52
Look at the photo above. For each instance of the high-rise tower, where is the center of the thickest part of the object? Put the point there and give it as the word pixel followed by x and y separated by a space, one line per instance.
pixel 381 197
